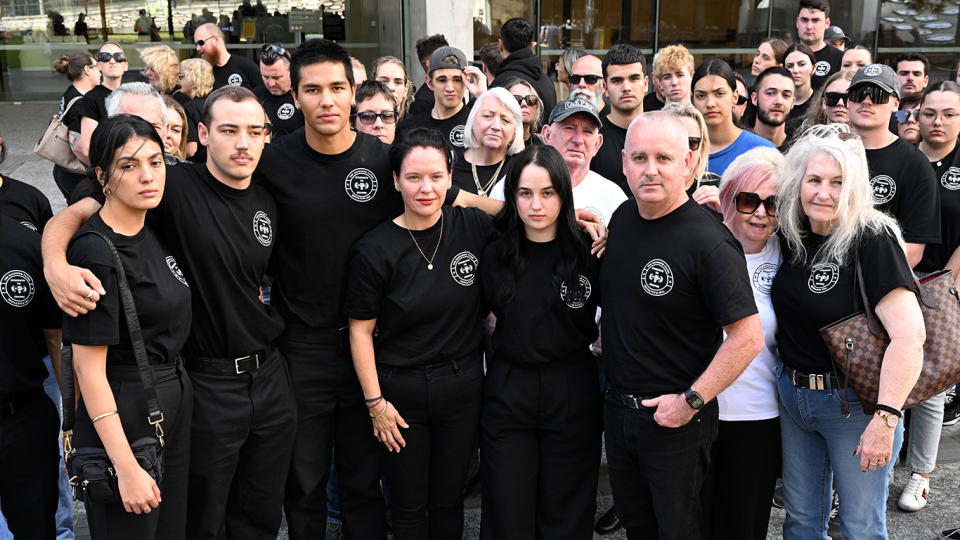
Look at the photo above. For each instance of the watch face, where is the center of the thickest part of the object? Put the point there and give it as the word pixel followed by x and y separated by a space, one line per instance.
pixel 892 420
pixel 694 400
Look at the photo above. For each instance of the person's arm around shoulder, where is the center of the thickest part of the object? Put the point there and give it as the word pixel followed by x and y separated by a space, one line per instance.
pixel 385 417
pixel 72 287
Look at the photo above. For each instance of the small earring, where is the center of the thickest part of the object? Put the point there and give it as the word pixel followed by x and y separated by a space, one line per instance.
pixel 106 191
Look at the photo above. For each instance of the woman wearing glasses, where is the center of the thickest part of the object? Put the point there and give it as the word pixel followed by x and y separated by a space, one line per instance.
pixel 84 75
pixel 907 117
pixel 749 408
pixel 376 111
pixel 700 184
pixel 829 105
pixel 493 134
pixel 531 109
pixel 828 225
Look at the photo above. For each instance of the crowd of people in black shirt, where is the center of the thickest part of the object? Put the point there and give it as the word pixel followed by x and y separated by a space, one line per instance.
pixel 345 285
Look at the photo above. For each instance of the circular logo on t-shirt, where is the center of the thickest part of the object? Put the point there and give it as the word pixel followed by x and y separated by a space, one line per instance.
pixel 657 278
pixel 285 112
pixel 823 277
pixel 463 268
pixel 596 211
pixel 29 225
pixel 456 136
pixel 175 270
pixel 763 277
pixel 576 297
pixel 262 228
pixel 235 79
pixel 884 188
pixel 16 287
pixel 822 68
pixel 872 70
pixel 361 184
pixel 951 179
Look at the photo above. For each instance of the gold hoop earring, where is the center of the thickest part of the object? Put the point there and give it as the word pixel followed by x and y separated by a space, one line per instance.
pixel 106 191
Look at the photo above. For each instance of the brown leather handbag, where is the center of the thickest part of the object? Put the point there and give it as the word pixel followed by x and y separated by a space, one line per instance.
pixel 857 343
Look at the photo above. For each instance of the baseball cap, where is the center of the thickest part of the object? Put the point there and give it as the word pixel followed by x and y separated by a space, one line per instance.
pixel 833 33
pixel 571 106
pixel 447 58
pixel 878 75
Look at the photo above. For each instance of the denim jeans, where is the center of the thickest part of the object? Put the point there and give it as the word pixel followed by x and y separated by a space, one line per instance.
pixel 818 443
pixel 926 422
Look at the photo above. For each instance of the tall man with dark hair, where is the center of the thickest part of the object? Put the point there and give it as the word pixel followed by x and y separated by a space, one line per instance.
pixel 423 100
pixel 812 21
pixel 274 94
pixel 773 97
pixel 516 48
pixel 913 70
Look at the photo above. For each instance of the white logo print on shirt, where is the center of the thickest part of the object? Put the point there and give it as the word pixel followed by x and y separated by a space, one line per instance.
pixel 763 277
pixel 16 287
pixel 172 265
pixel 823 277
pixel 822 68
pixel 657 278
pixel 285 112
pixel 951 179
pixel 361 184
pixel 884 188
pixel 262 228
pixel 456 136
pixel 235 79
pixel 576 297
pixel 463 268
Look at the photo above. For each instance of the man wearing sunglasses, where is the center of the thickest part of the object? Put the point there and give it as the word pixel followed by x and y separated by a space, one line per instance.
pixel 227 68
pixel 274 94
pixel 113 64
pixel 903 182
pixel 773 98
pixel 519 61
pixel 586 81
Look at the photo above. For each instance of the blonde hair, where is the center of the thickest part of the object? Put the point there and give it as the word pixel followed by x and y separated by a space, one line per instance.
pixel 185 126
pixel 685 109
pixel 506 98
pixel 672 58
pixel 855 212
pixel 200 73
pixel 163 60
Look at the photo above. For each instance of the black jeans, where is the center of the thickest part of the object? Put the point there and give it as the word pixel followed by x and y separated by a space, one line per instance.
pixel 169 520
pixel 330 408
pixel 243 431
pixel 441 404
pixel 29 465
pixel 66 182
pixel 656 472
pixel 540 442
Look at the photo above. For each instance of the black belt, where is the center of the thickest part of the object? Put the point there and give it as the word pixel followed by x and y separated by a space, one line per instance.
pixel 227 366
pixel 15 404
pixel 812 381
pixel 630 401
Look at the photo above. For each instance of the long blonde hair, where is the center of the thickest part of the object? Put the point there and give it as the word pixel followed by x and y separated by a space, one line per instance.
pixel 681 109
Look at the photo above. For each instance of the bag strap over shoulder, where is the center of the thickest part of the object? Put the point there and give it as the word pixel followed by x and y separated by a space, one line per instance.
pixel 876 327
pixel 67 108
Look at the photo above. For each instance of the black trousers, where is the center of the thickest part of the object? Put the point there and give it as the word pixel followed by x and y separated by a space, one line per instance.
pixel 441 404
pixel 169 520
pixel 540 442
pixel 330 408
pixel 66 181
pixel 655 472
pixel 241 442
pixel 743 473
pixel 29 465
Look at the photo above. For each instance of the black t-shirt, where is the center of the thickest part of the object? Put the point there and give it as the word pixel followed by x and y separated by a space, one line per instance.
pixel 796 116
pixel 72 118
pixel 223 238
pixel 327 202
pixel 24 203
pixel 94 103
pixel 708 179
pixel 463 174
pixel 159 289
pixel 608 162
pixel 652 103
pixel 423 101
pixel 545 321
pixel 947 174
pixel 805 298
pixel 284 115
pixel 904 186
pixel 666 298
pixel 26 307
pixel 194 111
pixel 452 128
pixel 180 97
pixel 828 62
pixel 238 71
pixel 423 315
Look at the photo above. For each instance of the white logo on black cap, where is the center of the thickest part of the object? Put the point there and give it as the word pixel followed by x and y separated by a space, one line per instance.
pixel 884 188
pixel 16 287
pixel 262 228
pixel 823 277
pixel 456 135
pixel 657 278
pixel 763 277
pixel 463 268
pixel 822 68
pixel 576 297
pixel 235 79
pixel 361 184
pixel 172 264
pixel 872 70
pixel 285 112
pixel 951 179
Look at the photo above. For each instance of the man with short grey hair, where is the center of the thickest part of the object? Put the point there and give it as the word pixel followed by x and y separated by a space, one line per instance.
pixel 139 99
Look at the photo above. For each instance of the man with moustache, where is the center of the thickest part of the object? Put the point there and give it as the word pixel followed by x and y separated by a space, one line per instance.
pixel 773 98
pixel 586 80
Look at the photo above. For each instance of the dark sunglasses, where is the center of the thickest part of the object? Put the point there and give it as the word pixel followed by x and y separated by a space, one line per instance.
pixel 200 42
pixel 105 57
pixel 741 100
pixel 369 117
pixel 832 99
pixel 270 53
pixel 904 116
pixel 748 202
pixel 878 96
pixel 531 100
pixel 694 143
pixel 591 79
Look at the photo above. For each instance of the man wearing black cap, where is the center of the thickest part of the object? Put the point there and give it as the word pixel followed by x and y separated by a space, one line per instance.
pixel 835 37
pixel 516 44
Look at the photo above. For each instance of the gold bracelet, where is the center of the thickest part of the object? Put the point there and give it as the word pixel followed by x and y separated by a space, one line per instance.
pixel 104 415
pixel 385 405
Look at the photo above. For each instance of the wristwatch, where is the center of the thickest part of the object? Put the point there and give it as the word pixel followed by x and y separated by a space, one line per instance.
pixel 891 419
pixel 693 399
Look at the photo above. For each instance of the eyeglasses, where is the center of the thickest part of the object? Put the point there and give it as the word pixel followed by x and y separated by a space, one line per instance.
pixel 878 96
pixel 748 202
pixel 200 42
pixel 105 57
pixel 270 53
pixel 741 100
pixel 531 100
pixel 591 79
pixel 369 117
pixel 694 143
pixel 904 116
pixel 832 99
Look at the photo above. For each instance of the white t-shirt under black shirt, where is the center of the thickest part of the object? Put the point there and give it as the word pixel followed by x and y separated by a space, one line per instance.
pixel 594 193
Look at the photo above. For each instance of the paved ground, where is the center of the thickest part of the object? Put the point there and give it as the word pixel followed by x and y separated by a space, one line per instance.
pixel 22 124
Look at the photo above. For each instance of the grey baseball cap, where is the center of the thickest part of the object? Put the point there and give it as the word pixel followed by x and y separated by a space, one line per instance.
pixel 447 58
pixel 833 33
pixel 878 75
pixel 571 106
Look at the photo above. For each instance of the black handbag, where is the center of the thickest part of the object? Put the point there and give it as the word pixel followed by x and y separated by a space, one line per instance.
pixel 90 469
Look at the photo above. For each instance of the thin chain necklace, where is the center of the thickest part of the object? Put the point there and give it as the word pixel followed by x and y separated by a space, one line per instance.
pixel 422 254
pixel 482 190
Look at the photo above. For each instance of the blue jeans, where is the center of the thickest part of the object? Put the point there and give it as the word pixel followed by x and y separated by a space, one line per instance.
pixel 818 443
pixel 926 422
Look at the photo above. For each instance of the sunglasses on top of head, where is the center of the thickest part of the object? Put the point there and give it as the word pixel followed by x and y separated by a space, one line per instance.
pixel 271 53
pixel 105 57
pixel 877 95
pixel 748 202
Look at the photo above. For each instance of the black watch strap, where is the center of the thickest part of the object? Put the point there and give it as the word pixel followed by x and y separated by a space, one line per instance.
pixel 886 408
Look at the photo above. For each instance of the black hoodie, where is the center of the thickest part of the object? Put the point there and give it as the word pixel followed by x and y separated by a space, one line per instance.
pixel 523 64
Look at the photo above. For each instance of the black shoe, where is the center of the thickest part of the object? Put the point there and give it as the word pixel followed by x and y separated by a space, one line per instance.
pixel 951 413
pixel 950 534
pixel 777 496
pixel 608 523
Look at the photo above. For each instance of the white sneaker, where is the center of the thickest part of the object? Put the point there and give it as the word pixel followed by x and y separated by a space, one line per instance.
pixel 914 496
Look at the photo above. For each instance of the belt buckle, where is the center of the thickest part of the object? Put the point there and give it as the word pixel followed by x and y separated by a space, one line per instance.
pixel 793 377
pixel 816 381
pixel 631 401
pixel 236 363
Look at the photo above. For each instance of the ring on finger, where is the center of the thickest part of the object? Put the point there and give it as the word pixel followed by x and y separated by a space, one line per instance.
pixel 89 295
pixel 77 308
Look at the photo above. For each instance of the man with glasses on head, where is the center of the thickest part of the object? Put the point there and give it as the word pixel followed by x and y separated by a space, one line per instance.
pixel 586 81
pixel 773 98
pixel 227 68
pixel 274 94
pixel 113 64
